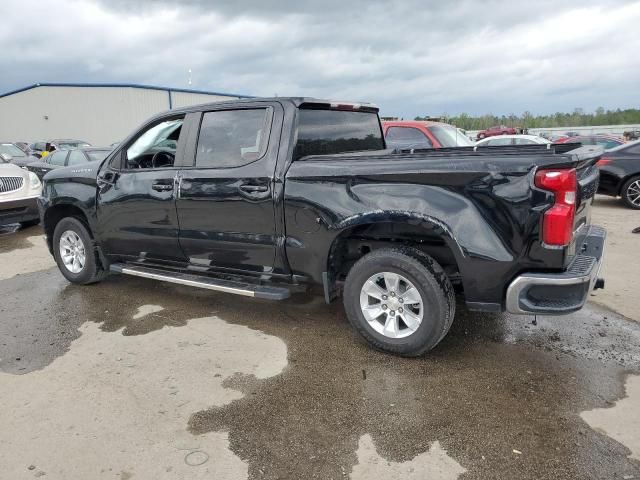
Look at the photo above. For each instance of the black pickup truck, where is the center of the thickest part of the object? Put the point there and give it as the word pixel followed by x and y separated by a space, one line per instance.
pixel 265 197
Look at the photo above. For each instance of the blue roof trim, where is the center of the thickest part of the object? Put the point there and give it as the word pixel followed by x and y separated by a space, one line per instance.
pixel 122 85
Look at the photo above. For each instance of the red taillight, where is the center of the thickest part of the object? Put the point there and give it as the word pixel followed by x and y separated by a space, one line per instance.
pixel 557 224
pixel 603 161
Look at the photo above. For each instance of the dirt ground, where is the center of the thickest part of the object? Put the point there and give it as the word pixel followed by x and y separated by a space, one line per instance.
pixel 621 267
pixel 135 379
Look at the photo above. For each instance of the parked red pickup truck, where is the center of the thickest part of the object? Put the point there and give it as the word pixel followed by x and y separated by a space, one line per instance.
pixel 497 130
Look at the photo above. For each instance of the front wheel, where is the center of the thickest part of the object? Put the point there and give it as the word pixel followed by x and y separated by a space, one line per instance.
pixel 400 300
pixel 630 193
pixel 74 252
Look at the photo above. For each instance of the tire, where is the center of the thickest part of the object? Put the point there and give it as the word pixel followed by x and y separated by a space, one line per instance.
pixel 412 267
pixel 29 223
pixel 91 270
pixel 630 192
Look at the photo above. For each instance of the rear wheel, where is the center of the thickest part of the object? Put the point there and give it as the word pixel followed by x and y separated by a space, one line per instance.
pixel 399 300
pixel 73 249
pixel 630 193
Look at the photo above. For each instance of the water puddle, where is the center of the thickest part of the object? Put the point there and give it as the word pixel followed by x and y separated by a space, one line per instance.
pixel 119 405
pixel 622 420
pixel 433 464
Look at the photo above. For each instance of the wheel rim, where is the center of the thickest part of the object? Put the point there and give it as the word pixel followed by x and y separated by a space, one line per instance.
pixel 633 193
pixel 72 251
pixel 391 304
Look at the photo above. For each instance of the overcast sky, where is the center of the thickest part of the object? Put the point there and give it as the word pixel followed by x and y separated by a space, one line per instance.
pixel 410 57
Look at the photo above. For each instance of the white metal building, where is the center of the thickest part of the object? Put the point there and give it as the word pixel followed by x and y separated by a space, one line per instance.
pixel 97 113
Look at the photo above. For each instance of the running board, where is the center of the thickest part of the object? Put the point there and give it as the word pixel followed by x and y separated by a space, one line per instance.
pixel 227 286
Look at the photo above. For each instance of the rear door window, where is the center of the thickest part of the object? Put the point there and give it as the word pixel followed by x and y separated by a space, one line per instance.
pixel 232 138
pixel 327 132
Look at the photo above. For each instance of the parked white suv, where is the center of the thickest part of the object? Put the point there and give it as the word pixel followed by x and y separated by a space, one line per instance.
pixel 19 191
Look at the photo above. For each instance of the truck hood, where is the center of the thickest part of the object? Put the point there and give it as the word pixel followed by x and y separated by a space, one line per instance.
pixel 84 171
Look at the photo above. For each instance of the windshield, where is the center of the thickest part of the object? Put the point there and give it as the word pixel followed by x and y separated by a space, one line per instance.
pixel 449 136
pixel 95 155
pixel 11 149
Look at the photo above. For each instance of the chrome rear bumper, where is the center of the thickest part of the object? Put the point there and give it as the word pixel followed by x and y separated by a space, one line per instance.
pixel 563 292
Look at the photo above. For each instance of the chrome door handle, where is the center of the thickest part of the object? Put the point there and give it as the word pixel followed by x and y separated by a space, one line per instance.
pixel 162 187
pixel 254 188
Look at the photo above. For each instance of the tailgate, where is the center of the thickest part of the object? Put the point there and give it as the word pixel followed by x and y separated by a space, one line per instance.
pixel 588 176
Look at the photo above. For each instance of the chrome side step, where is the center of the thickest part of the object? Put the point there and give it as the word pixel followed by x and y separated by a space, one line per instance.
pixel 219 285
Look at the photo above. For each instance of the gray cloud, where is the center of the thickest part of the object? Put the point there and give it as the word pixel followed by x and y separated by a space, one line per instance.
pixel 410 57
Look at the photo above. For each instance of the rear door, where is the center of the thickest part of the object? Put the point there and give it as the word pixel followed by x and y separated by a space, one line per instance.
pixel 226 200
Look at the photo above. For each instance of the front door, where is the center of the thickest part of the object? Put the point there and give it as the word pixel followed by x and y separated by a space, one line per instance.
pixel 137 217
pixel 225 201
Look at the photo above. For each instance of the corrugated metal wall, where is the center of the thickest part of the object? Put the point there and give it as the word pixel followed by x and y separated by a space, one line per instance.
pixel 99 115
pixel 184 99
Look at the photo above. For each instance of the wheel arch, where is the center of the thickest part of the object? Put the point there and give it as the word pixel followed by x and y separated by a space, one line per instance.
pixel 55 213
pixel 361 234
pixel 625 179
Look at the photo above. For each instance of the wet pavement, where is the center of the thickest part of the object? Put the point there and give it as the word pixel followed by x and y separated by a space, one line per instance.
pixel 287 390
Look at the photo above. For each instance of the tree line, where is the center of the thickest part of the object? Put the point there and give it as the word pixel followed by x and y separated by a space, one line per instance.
pixel 579 118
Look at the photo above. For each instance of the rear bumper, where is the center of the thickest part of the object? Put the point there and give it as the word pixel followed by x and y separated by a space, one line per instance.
pixel 563 292
pixel 22 210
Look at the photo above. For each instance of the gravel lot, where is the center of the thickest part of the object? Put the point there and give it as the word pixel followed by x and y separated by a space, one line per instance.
pixel 133 379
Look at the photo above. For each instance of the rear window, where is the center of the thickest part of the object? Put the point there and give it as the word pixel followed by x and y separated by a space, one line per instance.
pixel 326 132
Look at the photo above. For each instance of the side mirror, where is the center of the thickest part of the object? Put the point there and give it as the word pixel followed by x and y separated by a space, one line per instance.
pixel 6 157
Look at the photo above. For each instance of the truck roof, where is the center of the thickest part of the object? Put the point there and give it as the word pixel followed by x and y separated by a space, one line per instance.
pixel 299 102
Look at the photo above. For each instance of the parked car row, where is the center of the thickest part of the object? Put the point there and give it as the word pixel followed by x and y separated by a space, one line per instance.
pixel 64 158
pixel 620 173
pixel 19 191
pixel 23 166
pixel 512 140
pixel 605 141
pixel 42 149
pixel 498 130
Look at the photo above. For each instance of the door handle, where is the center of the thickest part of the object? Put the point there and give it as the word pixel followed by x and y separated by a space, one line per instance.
pixel 254 188
pixel 162 187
